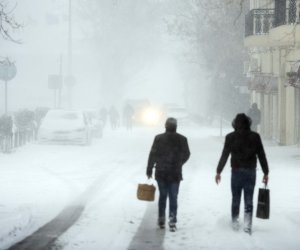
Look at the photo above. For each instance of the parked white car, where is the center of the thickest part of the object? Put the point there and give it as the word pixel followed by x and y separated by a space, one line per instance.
pixel 65 126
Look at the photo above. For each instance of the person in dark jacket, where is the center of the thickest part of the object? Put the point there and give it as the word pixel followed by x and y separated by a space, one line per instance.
pixel 128 114
pixel 244 146
pixel 255 115
pixel 169 152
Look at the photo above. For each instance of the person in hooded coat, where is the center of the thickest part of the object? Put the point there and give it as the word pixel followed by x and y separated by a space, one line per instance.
pixel 244 146
pixel 168 153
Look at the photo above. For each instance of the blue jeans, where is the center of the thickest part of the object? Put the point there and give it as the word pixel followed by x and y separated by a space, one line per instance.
pixel 242 180
pixel 167 189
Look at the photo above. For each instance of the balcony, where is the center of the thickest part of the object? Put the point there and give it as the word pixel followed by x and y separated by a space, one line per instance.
pixel 267 27
pixel 260 21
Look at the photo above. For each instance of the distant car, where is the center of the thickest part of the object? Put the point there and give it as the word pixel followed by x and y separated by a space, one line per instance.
pixel 145 114
pixel 65 126
pixel 96 124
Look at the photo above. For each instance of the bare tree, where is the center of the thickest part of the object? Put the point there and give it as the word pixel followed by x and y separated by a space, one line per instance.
pixel 214 33
pixel 7 21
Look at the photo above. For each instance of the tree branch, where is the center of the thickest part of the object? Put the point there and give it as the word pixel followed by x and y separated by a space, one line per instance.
pixel 7 22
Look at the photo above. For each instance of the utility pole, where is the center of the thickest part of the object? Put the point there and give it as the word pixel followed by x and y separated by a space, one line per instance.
pixel 221 79
pixel 5 86
pixel 61 79
pixel 69 81
pixel 70 39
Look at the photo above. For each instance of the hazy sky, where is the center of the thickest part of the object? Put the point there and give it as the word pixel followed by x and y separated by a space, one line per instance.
pixel 152 67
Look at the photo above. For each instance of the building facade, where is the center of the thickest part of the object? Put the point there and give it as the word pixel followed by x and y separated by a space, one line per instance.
pixel 272 39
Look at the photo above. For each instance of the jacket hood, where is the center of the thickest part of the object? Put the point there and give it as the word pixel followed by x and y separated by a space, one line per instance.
pixel 241 122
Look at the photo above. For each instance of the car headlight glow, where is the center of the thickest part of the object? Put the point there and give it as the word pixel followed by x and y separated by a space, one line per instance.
pixel 151 116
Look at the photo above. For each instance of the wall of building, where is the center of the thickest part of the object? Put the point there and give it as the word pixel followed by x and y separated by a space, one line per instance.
pixel 261 4
pixel 297 116
pixel 275 134
pixel 290 115
pixel 277 52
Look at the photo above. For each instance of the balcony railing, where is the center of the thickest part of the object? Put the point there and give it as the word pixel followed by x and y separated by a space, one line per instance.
pixel 260 21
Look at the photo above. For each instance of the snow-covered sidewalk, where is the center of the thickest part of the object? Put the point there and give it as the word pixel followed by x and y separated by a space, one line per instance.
pixel 38 181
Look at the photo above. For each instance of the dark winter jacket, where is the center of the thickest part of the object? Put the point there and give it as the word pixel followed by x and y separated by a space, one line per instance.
pixel 244 146
pixel 169 152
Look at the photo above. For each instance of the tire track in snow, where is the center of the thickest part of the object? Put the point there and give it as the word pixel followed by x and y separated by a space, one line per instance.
pixel 111 193
pixel 50 232
pixel 147 236
pixel 45 237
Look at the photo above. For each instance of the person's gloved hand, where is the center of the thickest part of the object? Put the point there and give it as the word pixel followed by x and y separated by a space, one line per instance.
pixel 265 179
pixel 218 178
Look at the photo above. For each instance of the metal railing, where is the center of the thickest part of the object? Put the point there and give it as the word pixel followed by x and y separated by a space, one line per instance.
pixel 8 142
pixel 260 21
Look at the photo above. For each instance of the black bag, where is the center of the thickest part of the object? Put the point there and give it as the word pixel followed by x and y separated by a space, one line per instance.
pixel 263 204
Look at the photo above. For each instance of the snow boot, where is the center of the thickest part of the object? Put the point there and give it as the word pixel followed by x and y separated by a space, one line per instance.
pixel 248 230
pixel 172 227
pixel 161 225
pixel 161 222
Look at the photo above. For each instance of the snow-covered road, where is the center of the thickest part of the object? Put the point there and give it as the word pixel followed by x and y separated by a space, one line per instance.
pixel 39 181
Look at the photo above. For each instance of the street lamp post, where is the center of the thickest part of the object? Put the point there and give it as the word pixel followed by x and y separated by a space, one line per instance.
pixel 69 82
pixel 221 79
pixel 70 39
pixel 61 77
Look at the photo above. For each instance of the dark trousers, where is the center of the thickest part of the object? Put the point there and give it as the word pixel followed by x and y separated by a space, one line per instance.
pixel 167 189
pixel 242 180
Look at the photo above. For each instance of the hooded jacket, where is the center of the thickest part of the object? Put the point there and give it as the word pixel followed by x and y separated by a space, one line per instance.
pixel 245 146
